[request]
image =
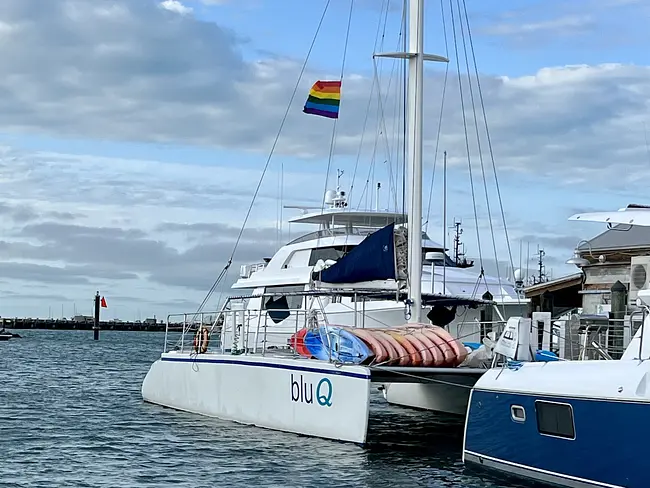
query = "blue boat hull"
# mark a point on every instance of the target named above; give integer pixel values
(609, 447)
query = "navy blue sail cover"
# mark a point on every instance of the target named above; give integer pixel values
(373, 259)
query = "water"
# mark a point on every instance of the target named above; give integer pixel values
(71, 414)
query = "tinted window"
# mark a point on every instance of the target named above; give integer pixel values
(555, 419)
(293, 302)
(326, 253)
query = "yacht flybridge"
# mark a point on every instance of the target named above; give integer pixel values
(294, 268)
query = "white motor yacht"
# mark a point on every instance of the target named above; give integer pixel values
(293, 269)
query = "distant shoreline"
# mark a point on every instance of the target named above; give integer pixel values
(69, 324)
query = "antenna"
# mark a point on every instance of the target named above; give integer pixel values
(377, 201)
(339, 173)
(459, 247)
(541, 268)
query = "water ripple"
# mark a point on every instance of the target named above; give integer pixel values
(71, 415)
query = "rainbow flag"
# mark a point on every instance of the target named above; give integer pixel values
(324, 99)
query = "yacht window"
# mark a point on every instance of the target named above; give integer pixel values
(518, 413)
(555, 419)
(293, 302)
(325, 253)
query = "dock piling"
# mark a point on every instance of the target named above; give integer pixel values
(487, 316)
(96, 323)
(616, 316)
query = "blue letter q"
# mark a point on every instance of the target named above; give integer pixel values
(324, 399)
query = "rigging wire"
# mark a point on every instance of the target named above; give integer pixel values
(404, 109)
(442, 106)
(224, 271)
(384, 131)
(480, 151)
(372, 89)
(399, 118)
(487, 131)
(381, 119)
(469, 158)
(333, 140)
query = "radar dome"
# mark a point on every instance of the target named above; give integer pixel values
(330, 195)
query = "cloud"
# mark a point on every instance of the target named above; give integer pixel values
(141, 74)
(176, 6)
(592, 24)
(160, 232)
(568, 24)
(129, 231)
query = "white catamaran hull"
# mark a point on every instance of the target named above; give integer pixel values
(450, 399)
(292, 395)
(446, 398)
(439, 397)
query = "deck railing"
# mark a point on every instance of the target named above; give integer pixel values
(238, 329)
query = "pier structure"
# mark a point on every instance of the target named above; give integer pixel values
(82, 322)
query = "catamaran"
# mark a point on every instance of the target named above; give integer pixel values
(337, 310)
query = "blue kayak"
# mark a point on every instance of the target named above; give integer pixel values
(544, 355)
(345, 346)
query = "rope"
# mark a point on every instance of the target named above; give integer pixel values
(431, 380)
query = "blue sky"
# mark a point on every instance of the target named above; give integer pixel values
(143, 137)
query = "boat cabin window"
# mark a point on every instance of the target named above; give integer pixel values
(555, 419)
(293, 302)
(325, 253)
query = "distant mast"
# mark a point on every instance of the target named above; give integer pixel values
(459, 247)
(541, 268)
(416, 58)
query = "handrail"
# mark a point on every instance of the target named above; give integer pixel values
(245, 330)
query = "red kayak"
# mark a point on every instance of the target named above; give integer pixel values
(297, 341)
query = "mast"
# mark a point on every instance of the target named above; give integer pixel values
(415, 93)
(414, 111)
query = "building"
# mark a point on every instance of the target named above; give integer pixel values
(608, 258)
(617, 259)
(556, 296)
(601, 262)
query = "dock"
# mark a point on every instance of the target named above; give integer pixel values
(86, 324)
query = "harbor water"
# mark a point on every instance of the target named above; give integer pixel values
(71, 414)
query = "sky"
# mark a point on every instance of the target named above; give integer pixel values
(134, 133)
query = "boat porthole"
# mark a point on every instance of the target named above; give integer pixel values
(517, 413)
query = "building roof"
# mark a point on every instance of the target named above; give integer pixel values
(554, 285)
(619, 237)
